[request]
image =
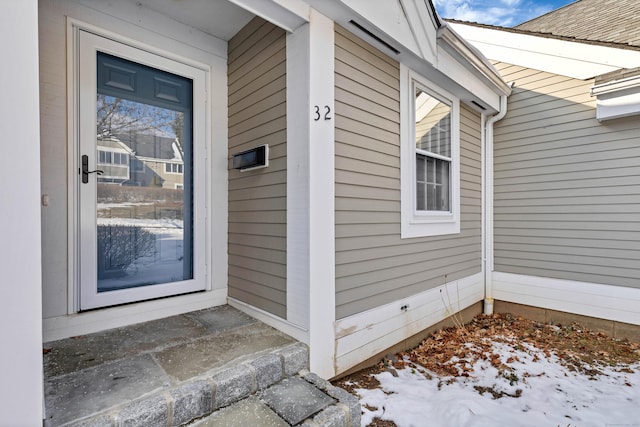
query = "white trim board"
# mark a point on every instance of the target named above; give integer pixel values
(56, 328)
(618, 98)
(577, 60)
(322, 254)
(298, 159)
(609, 302)
(272, 320)
(366, 334)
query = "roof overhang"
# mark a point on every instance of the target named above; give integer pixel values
(470, 57)
(578, 60)
(411, 32)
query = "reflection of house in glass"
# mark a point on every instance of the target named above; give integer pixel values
(141, 160)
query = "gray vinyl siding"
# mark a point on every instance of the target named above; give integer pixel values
(567, 188)
(373, 265)
(257, 199)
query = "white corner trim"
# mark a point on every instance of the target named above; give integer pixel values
(618, 303)
(272, 320)
(573, 59)
(365, 334)
(322, 278)
(298, 225)
(55, 328)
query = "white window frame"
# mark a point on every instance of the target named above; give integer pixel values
(174, 165)
(416, 223)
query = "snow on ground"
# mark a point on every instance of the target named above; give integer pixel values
(164, 265)
(536, 391)
(165, 224)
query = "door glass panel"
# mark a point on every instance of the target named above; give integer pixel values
(145, 192)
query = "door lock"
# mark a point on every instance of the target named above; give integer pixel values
(86, 171)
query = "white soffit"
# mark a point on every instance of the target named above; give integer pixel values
(572, 59)
(286, 14)
(404, 21)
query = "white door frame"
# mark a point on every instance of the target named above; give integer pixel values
(87, 297)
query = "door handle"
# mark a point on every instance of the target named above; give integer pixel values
(86, 171)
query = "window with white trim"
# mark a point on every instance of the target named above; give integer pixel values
(430, 158)
(112, 158)
(173, 168)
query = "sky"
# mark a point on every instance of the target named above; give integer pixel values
(504, 13)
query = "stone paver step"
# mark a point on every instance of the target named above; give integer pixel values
(211, 367)
(303, 400)
(196, 397)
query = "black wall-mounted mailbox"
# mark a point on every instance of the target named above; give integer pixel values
(252, 159)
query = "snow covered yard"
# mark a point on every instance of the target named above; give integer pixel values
(503, 370)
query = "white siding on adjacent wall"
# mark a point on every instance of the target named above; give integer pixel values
(374, 266)
(567, 188)
(257, 199)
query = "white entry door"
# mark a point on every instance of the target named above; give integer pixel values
(141, 174)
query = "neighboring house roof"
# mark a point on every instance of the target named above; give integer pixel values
(625, 73)
(613, 21)
(518, 30)
(597, 39)
(579, 59)
(151, 146)
(109, 141)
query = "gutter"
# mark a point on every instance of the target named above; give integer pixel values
(487, 201)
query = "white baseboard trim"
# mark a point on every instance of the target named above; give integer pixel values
(618, 303)
(272, 320)
(55, 328)
(366, 334)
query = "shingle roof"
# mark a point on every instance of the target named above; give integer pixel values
(613, 21)
(517, 30)
(157, 147)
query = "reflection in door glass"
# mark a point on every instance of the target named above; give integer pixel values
(144, 196)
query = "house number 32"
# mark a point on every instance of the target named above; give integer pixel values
(318, 115)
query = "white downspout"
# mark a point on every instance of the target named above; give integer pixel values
(487, 202)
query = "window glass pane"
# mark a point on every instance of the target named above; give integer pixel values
(421, 168)
(431, 197)
(432, 184)
(144, 217)
(433, 124)
(442, 195)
